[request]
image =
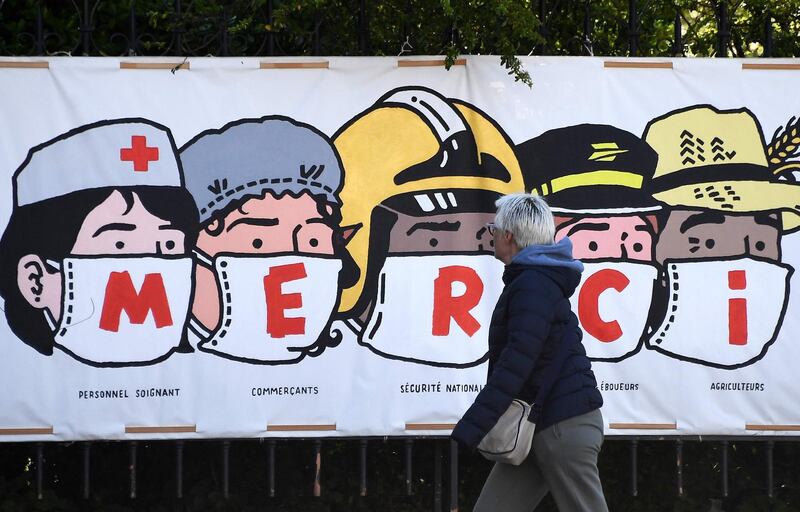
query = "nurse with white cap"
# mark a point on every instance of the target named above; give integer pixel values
(93, 260)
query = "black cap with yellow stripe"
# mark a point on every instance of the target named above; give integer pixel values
(589, 168)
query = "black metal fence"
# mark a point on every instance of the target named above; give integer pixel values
(722, 28)
(400, 474)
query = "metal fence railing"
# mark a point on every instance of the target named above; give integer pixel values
(429, 473)
(719, 28)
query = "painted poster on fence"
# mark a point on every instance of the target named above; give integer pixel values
(229, 251)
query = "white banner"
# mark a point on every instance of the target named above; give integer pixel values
(226, 250)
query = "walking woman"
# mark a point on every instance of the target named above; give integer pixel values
(532, 327)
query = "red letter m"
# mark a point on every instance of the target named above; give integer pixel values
(122, 296)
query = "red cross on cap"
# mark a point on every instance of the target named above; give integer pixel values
(139, 153)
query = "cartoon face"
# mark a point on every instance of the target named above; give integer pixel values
(261, 225)
(627, 237)
(266, 225)
(117, 227)
(690, 234)
(448, 233)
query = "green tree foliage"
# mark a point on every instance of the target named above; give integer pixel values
(507, 28)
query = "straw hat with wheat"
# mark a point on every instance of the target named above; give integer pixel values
(717, 159)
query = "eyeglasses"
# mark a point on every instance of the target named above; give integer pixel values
(491, 227)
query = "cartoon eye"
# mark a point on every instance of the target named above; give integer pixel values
(695, 244)
(592, 245)
(257, 243)
(760, 246)
(313, 242)
(637, 247)
(120, 244)
(170, 245)
(710, 243)
(491, 243)
(434, 242)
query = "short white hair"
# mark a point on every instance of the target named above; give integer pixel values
(527, 217)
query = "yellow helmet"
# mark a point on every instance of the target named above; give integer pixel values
(416, 143)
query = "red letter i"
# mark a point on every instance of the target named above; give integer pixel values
(737, 309)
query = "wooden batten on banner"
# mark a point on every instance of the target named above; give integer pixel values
(430, 426)
(771, 66)
(38, 64)
(301, 428)
(418, 63)
(29, 431)
(295, 65)
(643, 426)
(636, 64)
(772, 428)
(167, 429)
(155, 65)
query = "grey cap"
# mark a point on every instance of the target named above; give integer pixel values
(251, 156)
(115, 153)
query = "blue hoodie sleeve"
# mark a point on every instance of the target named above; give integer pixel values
(531, 309)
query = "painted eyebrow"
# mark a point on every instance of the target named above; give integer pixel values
(599, 226)
(253, 222)
(316, 220)
(115, 226)
(435, 226)
(702, 218)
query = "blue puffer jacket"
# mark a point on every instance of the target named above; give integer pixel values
(532, 316)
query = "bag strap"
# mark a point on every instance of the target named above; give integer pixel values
(550, 376)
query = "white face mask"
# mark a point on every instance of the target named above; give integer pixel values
(723, 314)
(612, 304)
(123, 311)
(407, 323)
(274, 308)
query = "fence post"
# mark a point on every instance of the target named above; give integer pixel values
(363, 463)
(177, 31)
(724, 450)
(362, 27)
(587, 27)
(437, 476)
(543, 31)
(132, 468)
(770, 473)
(453, 476)
(317, 490)
(39, 469)
(634, 468)
(409, 444)
(633, 29)
(271, 33)
(87, 448)
(768, 35)
(723, 29)
(225, 35)
(39, 29)
(86, 28)
(677, 48)
(226, 453)
(179, 469)
(679, 465)
(132, 29)
(271, 467)
(317, 23)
